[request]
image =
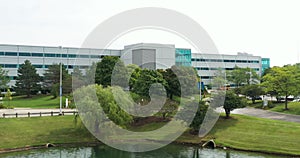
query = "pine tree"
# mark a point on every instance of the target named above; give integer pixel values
(28, 79)
(3, 78)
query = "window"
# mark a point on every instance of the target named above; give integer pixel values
(38, 66)
(37, 54)
(95, 56)
(229, 61)
(205, 77)
(11, 54)
(1, 53)
(49, 55)
(24, 54)
(84, 56)
(70, 66)
(83, 67)
(72, 55)
(12, 77)
(64, 55)
(10, 65)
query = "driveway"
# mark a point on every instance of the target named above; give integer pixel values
(26, 110)
(267, 114)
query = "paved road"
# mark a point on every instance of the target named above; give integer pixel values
(267, 114)
(26, 110)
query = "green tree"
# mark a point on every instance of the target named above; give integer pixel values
(91, 108)
(134, 73)
(51, 80)
(169, 109)
(219, 80)
(285, 80)
(252, 91)
(146, 79)
(89, 77)
(187, 75)
(77, 79)
(8, 96)
(232, 101)
(105, 69)
(241, 76)
(199, 117)
(3, 78)
(28, 80)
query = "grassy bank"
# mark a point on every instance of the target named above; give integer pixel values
(20, 132)
(294, 108)
(256, 134)
(39, 101)
(240, 132)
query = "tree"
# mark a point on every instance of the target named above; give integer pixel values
(52, 79)
(252, 91)
(169, 109)
(240, 76)
(105, 69)
(28, 80)
(175, 74)
(89, 77)
(134, 73)
(199, 117)
(285, 80)
(8, 96)
(219, 80)
(232, 101)
(77, 79)
(91, 110)
(3, 78)
(146, 79)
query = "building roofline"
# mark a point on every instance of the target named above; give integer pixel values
(226, 54)
(23, 45)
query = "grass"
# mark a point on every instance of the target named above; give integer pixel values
(245, 133)
(257, 134)
(239, 132)
(39, 101)
(294, 108)
(20, 132)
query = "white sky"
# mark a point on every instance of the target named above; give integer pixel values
(268, 28)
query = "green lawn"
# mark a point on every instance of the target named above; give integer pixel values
(246, 133)
(19, 132)
(294, 108)
(39, 101)
(239, 132)
(256, 134)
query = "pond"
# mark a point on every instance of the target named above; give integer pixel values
(103, 151)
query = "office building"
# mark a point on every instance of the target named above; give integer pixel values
(146, 55)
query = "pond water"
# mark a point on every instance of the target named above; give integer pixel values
(103, 151)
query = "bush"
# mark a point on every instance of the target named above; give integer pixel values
(270, 104)
(2, 106)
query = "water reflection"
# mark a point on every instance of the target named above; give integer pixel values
(102, 151)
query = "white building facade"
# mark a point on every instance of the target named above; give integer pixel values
(146, 55)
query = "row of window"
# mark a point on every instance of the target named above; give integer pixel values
(225, 60)
(43, 66)
(207, 68)
(28, 54)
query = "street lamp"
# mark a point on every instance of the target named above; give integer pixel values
(60, 82)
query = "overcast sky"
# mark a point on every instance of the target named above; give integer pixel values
(268, 28)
